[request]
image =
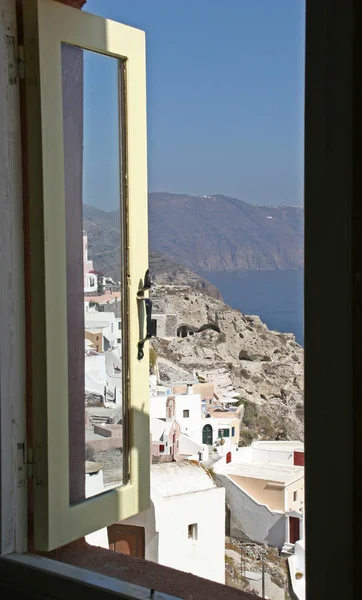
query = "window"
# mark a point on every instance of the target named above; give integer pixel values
(224, 433)
(119, 340)
(55, 137)
(162, 447)
(232, 431)
(193, 531)
(119, 324)
(325, 203)
(295, 496)
(186, 414)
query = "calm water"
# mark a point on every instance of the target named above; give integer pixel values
(276, 296)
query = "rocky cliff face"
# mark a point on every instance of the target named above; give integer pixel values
(164, 271)
(241, 355)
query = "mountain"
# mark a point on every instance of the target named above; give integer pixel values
(103, 246)
(213, 233)
(217, 233)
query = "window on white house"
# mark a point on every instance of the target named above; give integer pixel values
(193, 531)
(186, 414)
(224, 433)
(119, 340)
(119, 324)
(295, 496)
(232, 431)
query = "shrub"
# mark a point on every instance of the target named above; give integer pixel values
(265, 425)
(246, 437)
(250, 413)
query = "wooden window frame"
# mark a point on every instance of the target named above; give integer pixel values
(48, 24)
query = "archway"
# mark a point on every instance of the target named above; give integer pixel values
(207, 435)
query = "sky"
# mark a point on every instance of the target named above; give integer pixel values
(225, 100)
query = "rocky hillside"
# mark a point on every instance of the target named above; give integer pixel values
(205, 234)
(164, 271)
(241, 355)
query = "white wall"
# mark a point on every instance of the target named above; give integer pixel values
(93, 486)
(273, 456)
(205, 556)
(99, 372)
(250, 520)
(191, 448)
(166, 526)
(90, 283)
(158, 407)
(192, 424)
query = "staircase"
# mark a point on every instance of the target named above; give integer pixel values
(98, 419)
(288, 549)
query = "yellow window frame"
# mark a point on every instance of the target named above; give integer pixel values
(46, 25)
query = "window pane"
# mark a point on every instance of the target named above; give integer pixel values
(93, 149)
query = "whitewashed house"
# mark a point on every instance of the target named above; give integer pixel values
(102, 329)
(103, 374)
(185, 525)
(184, 528)
(90, 278)
(264, 486)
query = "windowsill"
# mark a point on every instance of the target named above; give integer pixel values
(133, 577)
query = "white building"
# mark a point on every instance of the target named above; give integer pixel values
(188, 414)
(185, 525)
(184, 528)
(264, 486)
(90, 278)
(105, 326)
(296, 563)
(103, 372)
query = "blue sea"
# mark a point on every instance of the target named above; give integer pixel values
(275, 296)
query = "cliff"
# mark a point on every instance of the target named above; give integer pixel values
(241, 356)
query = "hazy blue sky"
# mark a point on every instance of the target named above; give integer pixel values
(225, 85)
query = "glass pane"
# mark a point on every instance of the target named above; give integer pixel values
(92, 126)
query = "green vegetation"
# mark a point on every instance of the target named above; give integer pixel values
(246, 437)
(250, 414)
(200, 378)
(255, 424)
(96, 304)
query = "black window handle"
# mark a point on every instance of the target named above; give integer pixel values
(151, 324)
(147, 283)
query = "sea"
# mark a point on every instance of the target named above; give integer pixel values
(275, 296)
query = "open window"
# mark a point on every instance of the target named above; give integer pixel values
(63, 47)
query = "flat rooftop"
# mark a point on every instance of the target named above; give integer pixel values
(178, 478)
(275, 472)
(286, 446)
